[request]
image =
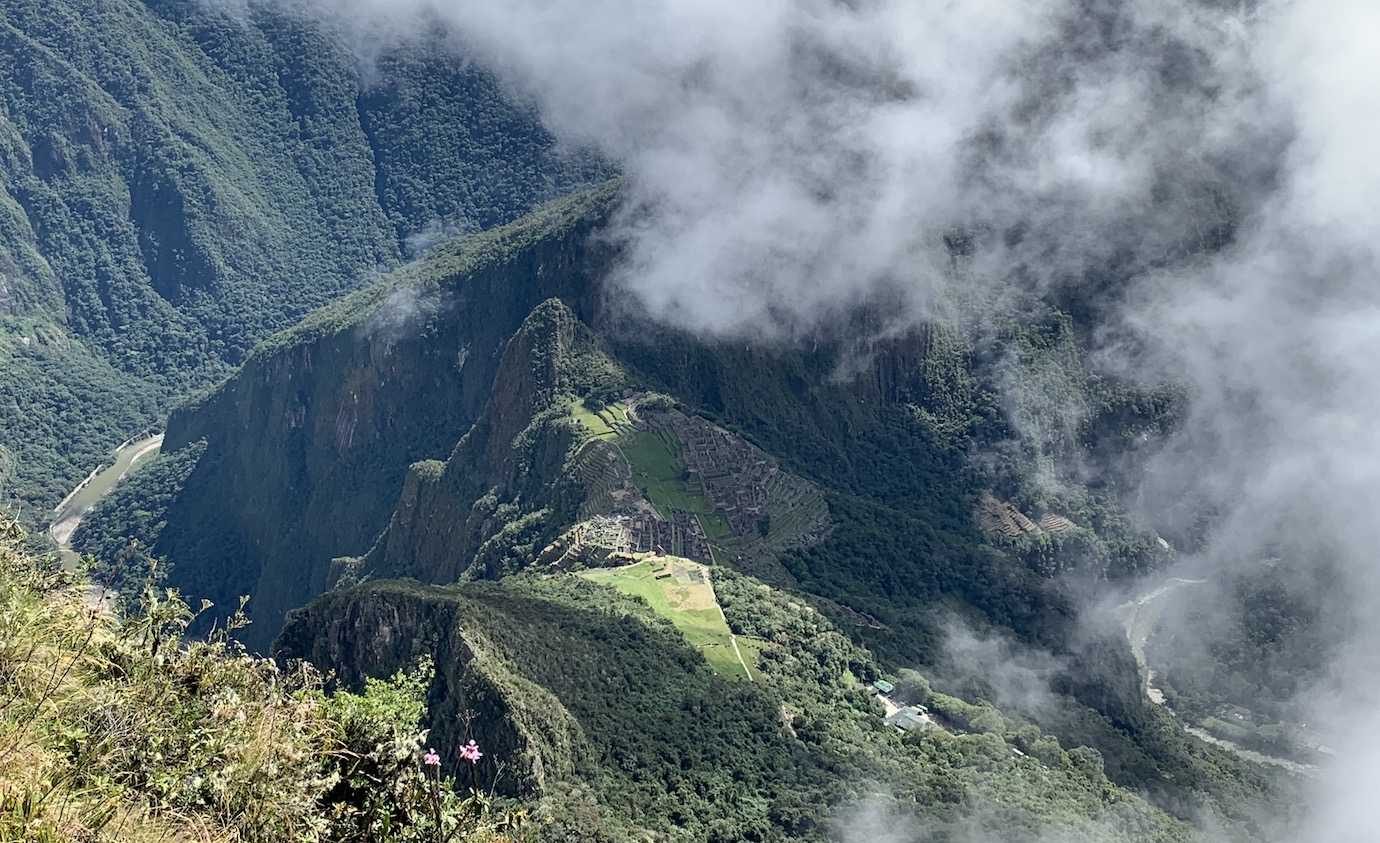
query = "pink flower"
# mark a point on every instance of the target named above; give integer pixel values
(470, 752)
(431, 759)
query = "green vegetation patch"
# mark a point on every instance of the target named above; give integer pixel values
(616, 415)
(118, 728)
(660, 474)
(680, 591)
(607, 422)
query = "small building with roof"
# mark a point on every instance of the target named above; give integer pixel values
(912, 718)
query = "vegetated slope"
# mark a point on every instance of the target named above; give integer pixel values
(116, 729)
(470, 367)
(177, 181)
(507, 487)
(682, 592)
(130, 519)
(307, 447)
(589, 698)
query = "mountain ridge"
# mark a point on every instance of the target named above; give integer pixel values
(178, 182)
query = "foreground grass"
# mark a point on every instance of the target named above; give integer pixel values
(115, 728)
(690, 607)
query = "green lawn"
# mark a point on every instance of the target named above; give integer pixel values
(659, 473)
(691, 608)
(616, 417)
(606, 423)
(593, 422)
(716, 527)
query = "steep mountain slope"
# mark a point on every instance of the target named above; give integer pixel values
(308, 444)
(177, 181)
(485, 411)
(292, 478)
(504, 489)
(590, 700)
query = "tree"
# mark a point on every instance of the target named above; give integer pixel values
(911, 687)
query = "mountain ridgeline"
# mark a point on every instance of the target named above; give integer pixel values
(495, 412)
(178, 180)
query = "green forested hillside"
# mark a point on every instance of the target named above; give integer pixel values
(307, 454)
(177, 182)
(598, 706)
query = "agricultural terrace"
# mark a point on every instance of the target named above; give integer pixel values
(680, 591)
(657, 469)
(608, 422)
(662, 477)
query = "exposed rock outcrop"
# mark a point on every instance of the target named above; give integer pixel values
(308, 445)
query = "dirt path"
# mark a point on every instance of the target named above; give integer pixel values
(733, 639)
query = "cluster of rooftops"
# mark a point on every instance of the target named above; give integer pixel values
(908, 718)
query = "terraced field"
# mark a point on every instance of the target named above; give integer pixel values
(688, 470)
(660, 474)
(607, 422)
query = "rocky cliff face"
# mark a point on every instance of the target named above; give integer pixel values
(504, 492)
(475, 694)
(307, 447)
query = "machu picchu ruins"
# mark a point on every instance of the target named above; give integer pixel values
(660, 481)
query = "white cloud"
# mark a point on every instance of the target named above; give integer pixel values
(788, 159)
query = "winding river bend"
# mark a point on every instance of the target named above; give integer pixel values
(1140, 616)
(68, 514)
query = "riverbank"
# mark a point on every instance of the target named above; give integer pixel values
(67, 515)
(1140, 617)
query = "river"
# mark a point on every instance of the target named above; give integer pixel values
(68, 514)
(1140, 617)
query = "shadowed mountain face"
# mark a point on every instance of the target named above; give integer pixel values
(486, 410)
(309, 443)
(178, 182)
